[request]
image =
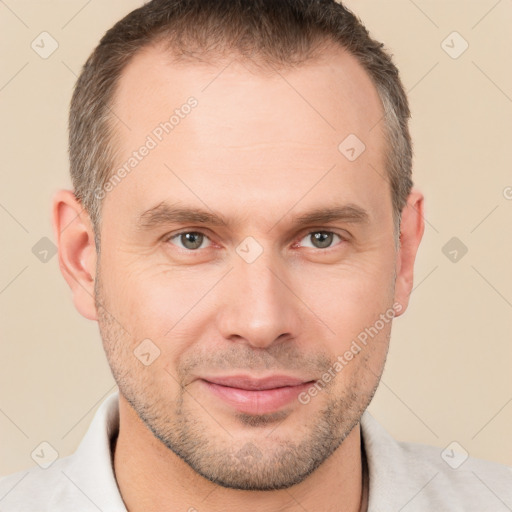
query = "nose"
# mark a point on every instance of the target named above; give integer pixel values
(259, 307)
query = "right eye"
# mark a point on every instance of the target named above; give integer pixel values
(189, 240)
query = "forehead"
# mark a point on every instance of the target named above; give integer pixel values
(332, 92)
(259, 130)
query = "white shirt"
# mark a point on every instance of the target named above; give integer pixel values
(404, 477)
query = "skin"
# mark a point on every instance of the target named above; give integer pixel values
(260, 149)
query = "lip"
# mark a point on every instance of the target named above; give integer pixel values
(256, 396)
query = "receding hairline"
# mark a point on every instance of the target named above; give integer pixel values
(323, 52)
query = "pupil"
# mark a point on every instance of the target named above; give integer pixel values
(191, 240)
(322, 239)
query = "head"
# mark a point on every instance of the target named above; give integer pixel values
(242, 205)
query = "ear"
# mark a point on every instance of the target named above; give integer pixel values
(77, 250)
(412, 227)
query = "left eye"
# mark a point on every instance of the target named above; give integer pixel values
(191, 240)
(320, 239)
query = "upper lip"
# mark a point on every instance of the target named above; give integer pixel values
(251, 383)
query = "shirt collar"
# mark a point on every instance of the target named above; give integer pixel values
(91, 468)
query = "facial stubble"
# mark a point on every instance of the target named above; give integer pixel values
(264, 454)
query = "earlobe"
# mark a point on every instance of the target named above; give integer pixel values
(77, 250)
(412, 227)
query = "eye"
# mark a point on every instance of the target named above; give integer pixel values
(190, 240)
(320, 239)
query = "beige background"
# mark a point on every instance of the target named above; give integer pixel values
(448, 376)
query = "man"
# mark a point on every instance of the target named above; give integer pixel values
(243, 228)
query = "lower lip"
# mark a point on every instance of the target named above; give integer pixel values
(257, 402)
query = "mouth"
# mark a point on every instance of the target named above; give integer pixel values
(256, 396)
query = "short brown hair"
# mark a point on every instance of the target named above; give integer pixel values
(279, 32)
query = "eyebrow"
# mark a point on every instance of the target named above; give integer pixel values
(165, 213)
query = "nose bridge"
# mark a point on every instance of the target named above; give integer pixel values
(259, 306)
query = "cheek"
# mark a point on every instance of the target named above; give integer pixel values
(348, 298)
(350, 301)
(168, 307)
(143, 293)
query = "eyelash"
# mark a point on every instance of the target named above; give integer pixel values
(176, 235)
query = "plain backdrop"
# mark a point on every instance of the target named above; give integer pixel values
(448, 375)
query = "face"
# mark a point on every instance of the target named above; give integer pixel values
(246, 279)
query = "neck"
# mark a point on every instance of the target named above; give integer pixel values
(152, 477)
